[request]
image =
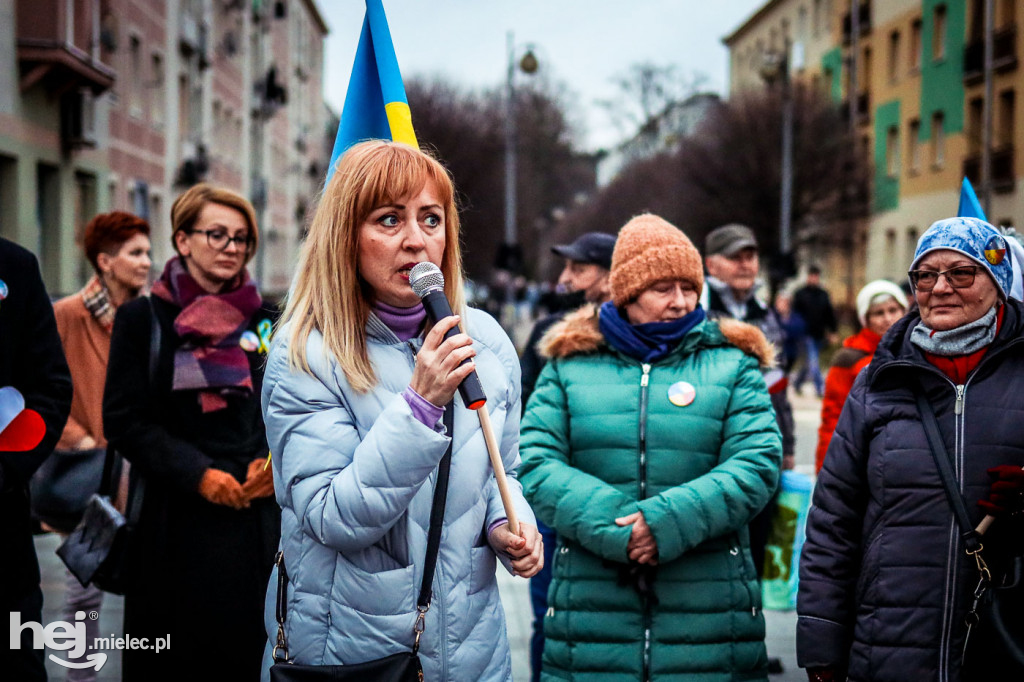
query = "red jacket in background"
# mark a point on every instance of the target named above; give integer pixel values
(847, 363)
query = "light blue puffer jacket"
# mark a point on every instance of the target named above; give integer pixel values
(354, 475)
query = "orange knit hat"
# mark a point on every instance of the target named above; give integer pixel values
(648, 250)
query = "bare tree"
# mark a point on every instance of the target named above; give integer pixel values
(465, 130)
(646, 91)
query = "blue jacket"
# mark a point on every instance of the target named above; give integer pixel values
(354, 475)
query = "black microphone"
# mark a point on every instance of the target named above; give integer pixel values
(428, 283)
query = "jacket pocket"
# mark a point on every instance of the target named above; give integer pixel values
(481, 569)
(868, 568)
(376, 593)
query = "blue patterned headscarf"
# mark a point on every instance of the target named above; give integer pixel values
(976, 239)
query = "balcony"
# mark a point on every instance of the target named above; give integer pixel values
(1003, 179)
(865, 23)
(57, 48)
(1004, 55)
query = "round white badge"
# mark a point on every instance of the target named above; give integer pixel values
(681, 393)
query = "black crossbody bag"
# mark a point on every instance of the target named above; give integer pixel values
(400, 667)
(97, 550)
(995, 622)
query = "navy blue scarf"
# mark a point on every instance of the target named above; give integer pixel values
(647, 342)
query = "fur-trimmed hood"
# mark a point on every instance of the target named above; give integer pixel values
(578, 333)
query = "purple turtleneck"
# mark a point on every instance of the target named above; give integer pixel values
(406, 323)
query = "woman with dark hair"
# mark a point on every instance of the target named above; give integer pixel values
(194, 435)
(117, 246)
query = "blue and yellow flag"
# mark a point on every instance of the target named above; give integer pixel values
(375, 105)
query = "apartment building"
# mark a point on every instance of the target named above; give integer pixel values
(122, 104)
(917, 99)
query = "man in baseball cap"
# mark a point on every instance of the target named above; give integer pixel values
(587, 262)
(584, 279)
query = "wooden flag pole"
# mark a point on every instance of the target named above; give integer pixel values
(499, 469)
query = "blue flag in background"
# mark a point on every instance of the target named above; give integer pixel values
(969, 205)
(375, 104)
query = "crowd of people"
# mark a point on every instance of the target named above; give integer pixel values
(315, 490)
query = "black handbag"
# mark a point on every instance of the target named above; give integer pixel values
(995, 622)
(60, 488)
(401, 667)
(97, 551)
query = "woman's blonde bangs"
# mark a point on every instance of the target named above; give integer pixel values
(328, 295)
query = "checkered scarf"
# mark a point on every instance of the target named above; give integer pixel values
(211, 360)
(97, 301)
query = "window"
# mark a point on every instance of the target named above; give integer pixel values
(914, 145)
(938, 140)
(894, 56)
(816, 25)
(915, 46)
(1006, 13)
(975, 125)
(135, 77)
(156, 91)
(1006, 114)
(892, 151)
(939, 33)
(891, 254)
(911, 244)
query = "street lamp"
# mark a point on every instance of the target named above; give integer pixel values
(528, 64)
(775, 67)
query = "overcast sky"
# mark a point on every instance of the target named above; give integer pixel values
(581, 43)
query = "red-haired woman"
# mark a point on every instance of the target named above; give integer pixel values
(117, 246)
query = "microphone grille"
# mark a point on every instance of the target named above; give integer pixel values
(425, 277)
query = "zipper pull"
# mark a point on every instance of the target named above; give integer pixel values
(646, 375)
(959, 407)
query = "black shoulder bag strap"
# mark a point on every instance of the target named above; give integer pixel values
(970, 536)
(433, 545)
(107, 483)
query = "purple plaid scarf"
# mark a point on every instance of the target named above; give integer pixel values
(211, 325)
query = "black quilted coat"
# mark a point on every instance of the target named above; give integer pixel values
(884, 579)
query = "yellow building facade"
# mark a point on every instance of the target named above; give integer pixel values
(919, 106)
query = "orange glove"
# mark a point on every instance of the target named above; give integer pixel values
(220, 487)
(259, 480)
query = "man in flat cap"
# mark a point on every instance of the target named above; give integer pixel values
(733, 265)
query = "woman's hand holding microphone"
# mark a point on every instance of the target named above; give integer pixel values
(437, 374)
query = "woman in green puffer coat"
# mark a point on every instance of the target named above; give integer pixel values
(648, 445)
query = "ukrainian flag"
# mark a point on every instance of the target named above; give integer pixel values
(375, 104)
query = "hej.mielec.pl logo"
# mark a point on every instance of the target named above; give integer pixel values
(71, 637)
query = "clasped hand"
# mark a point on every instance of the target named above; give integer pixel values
(642, 547)
(220, 487)
(527, 550)
(437, 374)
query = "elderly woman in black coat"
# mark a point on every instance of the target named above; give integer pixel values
(885, 582)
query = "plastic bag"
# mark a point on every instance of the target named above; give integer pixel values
(785, 540)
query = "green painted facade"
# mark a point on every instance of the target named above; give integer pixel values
(942, 80)
(887, 188)
(832, 66)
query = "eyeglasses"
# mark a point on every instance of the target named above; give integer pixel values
(959, 277)
(218, 239)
